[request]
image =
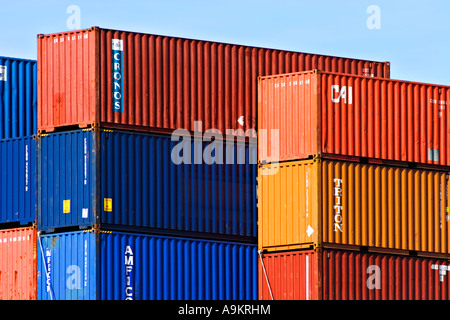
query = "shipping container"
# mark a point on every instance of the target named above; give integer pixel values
(321, 114)
(148, 182)
(128, 80)
(18, 264)
(99, 265)
(18, 97)
(324, 274)
(18, 180)
(325, 203)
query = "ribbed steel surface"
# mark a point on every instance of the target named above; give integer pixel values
(18, 180)
(336, 203)
(117, 266)
(348, 275)
(121, 79)
(18, 264)
(319, 113)
(18, 97)
(124, 180)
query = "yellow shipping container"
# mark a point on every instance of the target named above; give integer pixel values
(324, 203)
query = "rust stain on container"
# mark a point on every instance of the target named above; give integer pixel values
(320, 113)
(120, 79)
(324, 274)
(322, 203)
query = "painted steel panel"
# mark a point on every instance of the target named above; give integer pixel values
(103, 265)
(323, 274)
(18, 264)
(148, 82)
(120, 179)
(18, 97)
(336, 203)
(318, 113)
(18, 180)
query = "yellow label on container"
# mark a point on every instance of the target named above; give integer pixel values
(446, 209)
(108, 204)
(66, 206)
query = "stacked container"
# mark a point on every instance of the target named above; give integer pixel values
(353, 187)
(148, 163)
(18, 178)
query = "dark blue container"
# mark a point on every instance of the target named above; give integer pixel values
(18, 97)
(18, 176)
(132, 181)
(97, 265)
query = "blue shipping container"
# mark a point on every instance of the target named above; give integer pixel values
(127, 180)
(18, 97)
(18, 198)
(98, 265)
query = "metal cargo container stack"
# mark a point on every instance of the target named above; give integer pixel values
(18, 264)
(112, 265)
(123, 180)
(18, 97)
(151, 140)
(340, 116)
(333, 274)
(353, 173)
(18, 127)
(18, 174)
(154, 83)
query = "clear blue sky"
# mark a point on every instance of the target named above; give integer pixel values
(413, 35)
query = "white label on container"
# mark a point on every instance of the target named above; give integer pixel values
(433, 154)
(117, 44)
(48, 262)
(129, 274)
(309, 230)
(442, 270)
(117, 63)
(307, 193)
(85, 263)
(337, 192)
(85, 213)
(3, 73)
(26, 168)
(344, 92)
(85, 161)
(307, 276)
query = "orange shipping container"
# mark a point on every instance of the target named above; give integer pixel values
(322, 114)
(324, 203)
(18, 264)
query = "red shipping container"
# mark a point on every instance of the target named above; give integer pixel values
(347, 117)
(350, 275)
(18, 264)
(118, 79)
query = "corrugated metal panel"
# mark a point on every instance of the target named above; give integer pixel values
(325, 203)
(18, 179)
(18, 97)
(18, 264)
(117, 266)
(161, 82)
(319, 113)
(291, 275)
(67, 266)
(129, 180)
(348, 275)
